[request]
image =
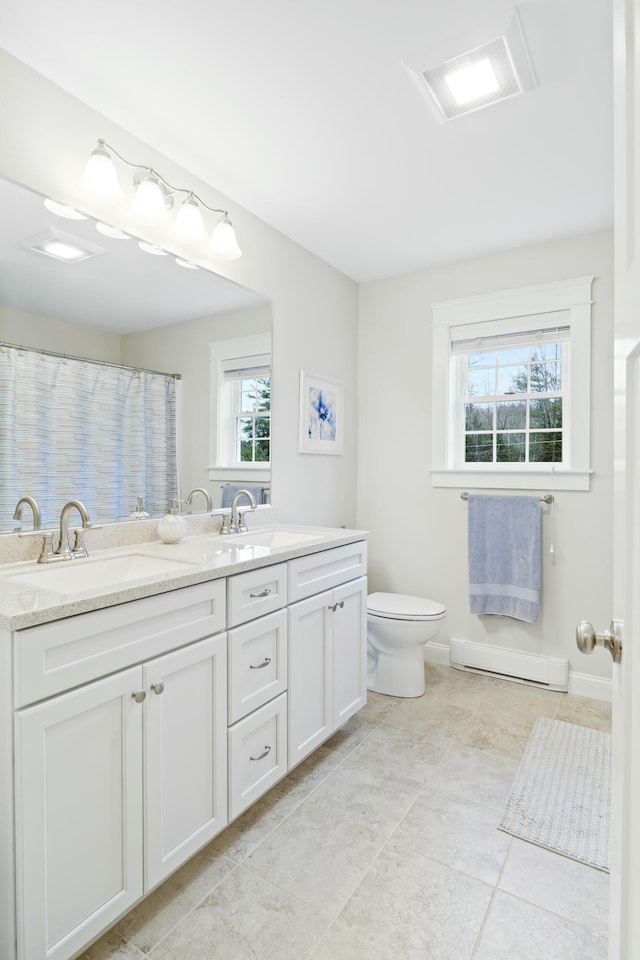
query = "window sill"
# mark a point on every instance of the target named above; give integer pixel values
(250, 473)
(512, 479)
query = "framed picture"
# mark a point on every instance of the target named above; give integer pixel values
(320, 414)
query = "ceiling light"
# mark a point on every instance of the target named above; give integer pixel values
(224, 245)
(149, 248)
(472, 82)
(108, 231)
(100, 175)
(62, 246)
(63, 210)
(154, 198)
(481, 67)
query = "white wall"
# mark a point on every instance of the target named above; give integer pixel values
(45, 333)
(418, 534)
(184, 348)
(46, 137)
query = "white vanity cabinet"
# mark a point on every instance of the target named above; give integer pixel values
(134, 733)
(327, 645)
(117, 781)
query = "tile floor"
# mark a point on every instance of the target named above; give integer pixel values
(384, 846)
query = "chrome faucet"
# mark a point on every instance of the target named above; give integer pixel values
(34, 506)
(236, 523)
(206, 494)
(63, 551)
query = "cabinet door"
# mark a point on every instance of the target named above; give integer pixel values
(78, 815)
(185, 741)
(348, 621)
(310, 672)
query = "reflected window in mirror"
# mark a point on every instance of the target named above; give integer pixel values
(241, 407)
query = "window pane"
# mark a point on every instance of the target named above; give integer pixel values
(545, 447)
(546, 351)
(545, 413)
(517, 355)
(545, 377)
(262, 451)
(478, 448)
(263, 393)
(245, 427)
(482, 359)
(510, 447)
(262, 426)
(246, 451)
(512, 379)
(478, 416)
(481, 383)
(511, 415)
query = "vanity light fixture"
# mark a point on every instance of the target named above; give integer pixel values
(186, 264)
(149, 248)
(155, 197)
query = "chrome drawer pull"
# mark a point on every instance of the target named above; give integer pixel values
(265, 753)
(265, 593)
(259, 666)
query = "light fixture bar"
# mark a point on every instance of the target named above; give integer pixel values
(160, 193)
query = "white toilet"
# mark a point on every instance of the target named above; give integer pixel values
(398, 626)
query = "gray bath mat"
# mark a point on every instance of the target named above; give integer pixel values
(560, 797)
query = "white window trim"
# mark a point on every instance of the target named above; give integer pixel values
(221, 351)
(573, 296)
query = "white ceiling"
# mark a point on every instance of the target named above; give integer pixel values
(305, 113)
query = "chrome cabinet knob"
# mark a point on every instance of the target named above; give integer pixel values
(587, 638)
(139, 695)
(158, 687)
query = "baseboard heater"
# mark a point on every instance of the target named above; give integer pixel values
(549, 672)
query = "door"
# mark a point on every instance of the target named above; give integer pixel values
(349, 626)
(185, 754)
(310, 671)
(625, 825)
(78, 815)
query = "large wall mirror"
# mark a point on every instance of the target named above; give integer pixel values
(122, 306)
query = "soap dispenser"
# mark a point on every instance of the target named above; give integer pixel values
(139, 513)
(173, 527)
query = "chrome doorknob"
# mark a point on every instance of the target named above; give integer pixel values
(587, 638)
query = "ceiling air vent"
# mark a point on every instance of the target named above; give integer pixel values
(484, 66)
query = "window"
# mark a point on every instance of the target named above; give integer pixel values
(241, 408)
(506, 410)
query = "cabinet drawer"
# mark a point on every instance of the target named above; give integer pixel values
(323, 571)
(257, 660)
(257, 754)
(256, 592)
(53, 657)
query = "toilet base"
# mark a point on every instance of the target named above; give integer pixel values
(398, 676)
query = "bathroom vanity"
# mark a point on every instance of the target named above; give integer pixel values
(141, 717)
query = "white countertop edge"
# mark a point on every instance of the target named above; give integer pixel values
(51, 605)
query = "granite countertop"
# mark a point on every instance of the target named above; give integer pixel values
(198, 559)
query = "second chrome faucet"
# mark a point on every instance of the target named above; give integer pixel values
(64, 550)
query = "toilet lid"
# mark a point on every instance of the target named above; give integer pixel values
(399, 606)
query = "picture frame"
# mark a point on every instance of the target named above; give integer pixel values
(320, 414)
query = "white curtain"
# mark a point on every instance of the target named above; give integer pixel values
(77, 429)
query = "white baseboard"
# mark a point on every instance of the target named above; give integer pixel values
(497, 661)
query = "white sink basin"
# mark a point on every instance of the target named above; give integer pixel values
(272, 538)
(78, 576)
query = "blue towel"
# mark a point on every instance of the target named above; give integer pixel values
(504, 556)
(229, 489)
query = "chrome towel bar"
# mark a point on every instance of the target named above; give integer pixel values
(547, 498)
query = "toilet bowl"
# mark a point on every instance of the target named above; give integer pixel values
(398, 626)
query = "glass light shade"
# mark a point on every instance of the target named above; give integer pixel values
(189, 222)
(100, 174)
(63, 210)
(224, 245)
(186, 264)
(149, 248)
(108, 231)
(149, 199)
